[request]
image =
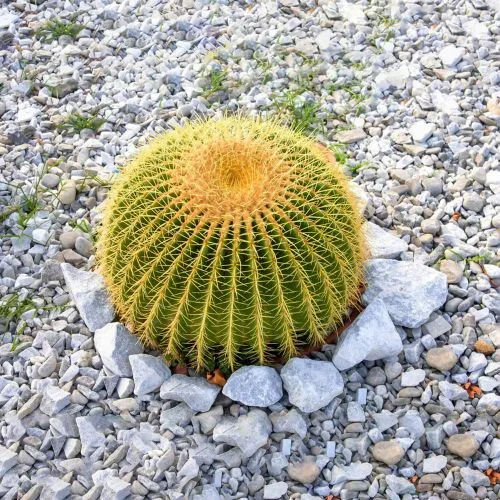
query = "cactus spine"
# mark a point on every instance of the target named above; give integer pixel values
(232, 240)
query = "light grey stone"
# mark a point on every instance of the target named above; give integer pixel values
(311, 384)
(453, 392)
(372, 336)
(410, 291)
(115, 344)
(434, 464)
(55, 489)
(248, 432)
(149, 373)
(115, 489)
(436, 327)
(382, 244)
(399, 485)
(54, 400)
(350, 136)
(357, 471)
(91, 435)
(196, 392)
(385, 420)
(421, 131)
(275, 490)
(355, 412)
(412, 378)
(490, 403)
(289, 421)
(88, 292)
(254, 386)
(412, 422)
(8, 459)
(451, 55)
(474, 477)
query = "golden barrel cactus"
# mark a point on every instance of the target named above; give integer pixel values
(231, 241)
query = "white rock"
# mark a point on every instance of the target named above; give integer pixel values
(26, 114)
(7, 18)
(410, 291)
(254, 386)
(275, 490)
(196, 392)
(393, 78)
(67, 193)
(248, 432)
(54, 400)
(323, 39)
(149, 373)
(90, 296)
(372, 336)
(115, 344)
(41, 236)
(412, 378)
(311, 384)
(8, 459)
(421, 130)
(383, 244)
(352, 12)
(434, 464)
(451, 55)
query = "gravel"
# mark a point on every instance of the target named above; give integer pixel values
(411, 90)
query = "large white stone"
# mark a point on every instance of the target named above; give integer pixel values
(451, 55)
(383, 244)
(254, 386)
(421, 130)
(115, 344)
(311, 384)
(247, 432)
(394, 78)
(372, 336)
(410, 291)
(149, 373)
(89, 295)
(196, 392)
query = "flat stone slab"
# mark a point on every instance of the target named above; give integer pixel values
(410, 291)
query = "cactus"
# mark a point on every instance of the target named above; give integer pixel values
(231, 241)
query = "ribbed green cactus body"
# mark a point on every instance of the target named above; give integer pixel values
(231, 242)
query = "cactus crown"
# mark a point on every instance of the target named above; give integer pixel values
(234, 240)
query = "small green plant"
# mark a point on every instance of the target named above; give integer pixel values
(84, 226)
(55, 28)
(77, 122)
(340, 152)
(232, 241)
(357, 167)
(216, 81)
(12, 309)
(300, 116)
(382, 31)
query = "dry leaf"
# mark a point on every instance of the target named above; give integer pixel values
(493, 476)
(472, 390)
(217, 378)
(456, 216)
